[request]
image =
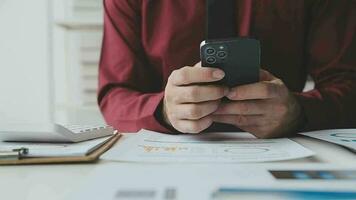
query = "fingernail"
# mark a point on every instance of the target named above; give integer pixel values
(218, 74)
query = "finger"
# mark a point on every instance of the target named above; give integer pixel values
(194, 126)
(260, 90)
(250, 107)
(262, 132)
(254, 130)
(195, 111)
(190, 75)
(200, 93)
(240, 120)
(266, 76)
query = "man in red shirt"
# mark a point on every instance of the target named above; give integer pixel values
(150, 74)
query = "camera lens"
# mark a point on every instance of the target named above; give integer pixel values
(211, 60)
(222, 54)
(210, 51)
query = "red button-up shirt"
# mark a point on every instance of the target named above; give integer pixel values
(145, 40)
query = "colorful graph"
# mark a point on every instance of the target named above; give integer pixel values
(162, 149)
(193, 151)
(345, 137)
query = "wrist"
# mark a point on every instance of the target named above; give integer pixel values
(161, 116)
(164, 113)
(299, 120)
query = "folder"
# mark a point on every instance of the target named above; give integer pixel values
(16, 156)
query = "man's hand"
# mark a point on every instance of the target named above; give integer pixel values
(266, 109)
(188, 104)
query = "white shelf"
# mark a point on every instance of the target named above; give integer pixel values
(73, 114)
(79, 24)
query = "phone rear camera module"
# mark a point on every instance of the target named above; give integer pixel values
(222, 54)
(211, 60)
(210, 51)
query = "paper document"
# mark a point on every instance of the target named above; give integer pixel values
(343, 137)
(165, 181)
(147, 146)
(55, 149)
(195, 181)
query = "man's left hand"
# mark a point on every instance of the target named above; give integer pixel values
(266, 109)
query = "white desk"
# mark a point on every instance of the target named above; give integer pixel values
(56, 182)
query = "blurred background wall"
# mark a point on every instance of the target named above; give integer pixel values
(49, 52)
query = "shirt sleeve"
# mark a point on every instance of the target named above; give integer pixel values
(130, 90)
(331, 61)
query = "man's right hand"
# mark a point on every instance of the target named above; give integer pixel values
(187, 102)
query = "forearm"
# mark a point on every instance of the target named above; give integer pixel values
(130, 111)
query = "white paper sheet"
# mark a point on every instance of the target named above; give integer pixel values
(149, 146)
(165, 181)
(137, 181)
(343, 137)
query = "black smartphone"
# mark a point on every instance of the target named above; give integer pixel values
(239, 58)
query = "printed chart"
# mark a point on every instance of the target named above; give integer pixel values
(343, 137)
(220, 148)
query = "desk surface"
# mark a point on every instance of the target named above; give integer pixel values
(56, 182)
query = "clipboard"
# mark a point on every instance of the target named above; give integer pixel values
(14, 157)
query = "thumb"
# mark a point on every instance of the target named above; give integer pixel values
(266, 76)
(198, 65)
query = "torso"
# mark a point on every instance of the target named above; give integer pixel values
(173, 29)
